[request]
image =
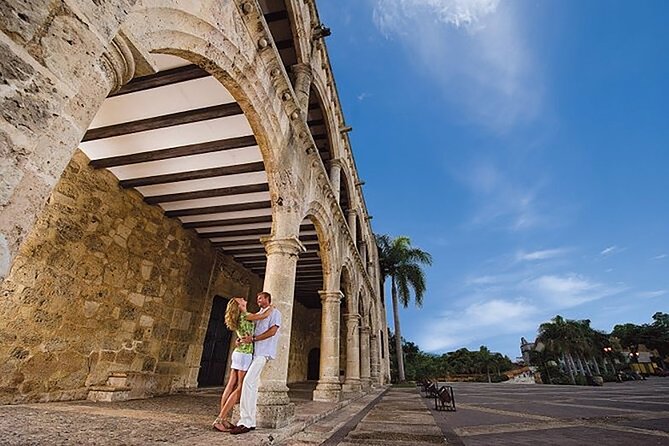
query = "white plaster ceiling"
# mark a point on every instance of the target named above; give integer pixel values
(231, 210)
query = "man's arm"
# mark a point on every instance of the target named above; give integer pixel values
(271, 331)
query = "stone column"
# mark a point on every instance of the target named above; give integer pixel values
(352, 218)
(302, 84)
(329, 387)
(335, 177)
(363, 253)
(376, 359)
(352, 379)
(274, 407)
(42, 132)
(365, 375)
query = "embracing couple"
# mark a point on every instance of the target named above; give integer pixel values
(256, 343)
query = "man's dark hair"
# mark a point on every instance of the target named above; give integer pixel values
(266, 294)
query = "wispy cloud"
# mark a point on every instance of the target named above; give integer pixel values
(503, 200)
(513, 302)
(660, 257)
(568, 290)
(362, 96)
(609, 250)
(651, 294)
(541, 255)
(499, 316)
(612, 250)
(474, 51)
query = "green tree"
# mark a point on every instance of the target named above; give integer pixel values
(402, 263)
(557, 335)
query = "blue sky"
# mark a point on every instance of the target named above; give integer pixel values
(525, 145)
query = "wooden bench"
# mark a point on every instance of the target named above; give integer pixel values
(444, 399)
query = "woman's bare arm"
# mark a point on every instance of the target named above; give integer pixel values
(260, 315)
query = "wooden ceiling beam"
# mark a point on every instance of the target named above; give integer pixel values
(208, 193)
(276, 16)
(258, 166)
(176, 152)
(239, 232)
(220, 209)
(228, 222)
(159, 122)
(161, 79)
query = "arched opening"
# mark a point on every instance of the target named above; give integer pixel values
(346, 309)
(216, 347)
(344, 196)
(319, 127)
(168, 178)
(281, 27)
(313, 364)
(306, 321)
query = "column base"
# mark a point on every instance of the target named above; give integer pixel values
(327, 392)
(274, 416)
(352, 386)
(366, 383)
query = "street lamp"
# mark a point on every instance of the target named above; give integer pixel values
(609, 350)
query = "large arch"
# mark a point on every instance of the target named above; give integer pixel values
(139, 320)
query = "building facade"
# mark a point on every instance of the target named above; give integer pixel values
(158, 158)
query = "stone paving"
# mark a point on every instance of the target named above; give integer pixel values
(631, 413)
(183, 419)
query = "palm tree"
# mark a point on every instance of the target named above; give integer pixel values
(485, 359)
(402, 263)
(557, 336)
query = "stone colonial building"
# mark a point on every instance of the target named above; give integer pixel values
(158, 158)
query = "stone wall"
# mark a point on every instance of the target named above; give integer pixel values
(104, 283)
(305, 335)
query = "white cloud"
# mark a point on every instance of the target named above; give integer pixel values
(510, 303)
(651, 294)
(568, 290)
(610, 250)
(362, 96)
(660, 257)
(502, 199)
(474, 50)
(477, 321)
(391, 14)
(541, 255)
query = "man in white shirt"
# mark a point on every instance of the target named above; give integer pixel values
(265, 341)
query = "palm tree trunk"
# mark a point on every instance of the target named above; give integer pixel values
(579, 364)
(398, 333)
(487, 370)
(594, 362)
(570, 366)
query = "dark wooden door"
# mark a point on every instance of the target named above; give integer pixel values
(313, 364)
(216, 347)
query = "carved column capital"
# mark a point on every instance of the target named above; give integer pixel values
(335, 162)
(287, 246)
(303, 75)
(331, 296)
(364, 329)
(353, 318)
(118, 62)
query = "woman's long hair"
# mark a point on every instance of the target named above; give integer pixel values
(232, 315)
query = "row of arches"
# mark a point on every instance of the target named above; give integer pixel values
(223, 119)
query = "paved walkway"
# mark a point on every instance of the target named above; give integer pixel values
(631, 413)
(183, 419)
(398, 417)
(625, 414)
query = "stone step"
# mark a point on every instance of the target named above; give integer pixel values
(108, 393)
